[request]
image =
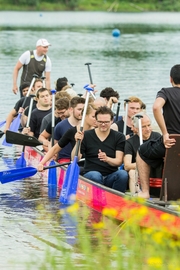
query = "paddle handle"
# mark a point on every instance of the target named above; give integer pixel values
(60, 164)
(29, 90)
(117, 112)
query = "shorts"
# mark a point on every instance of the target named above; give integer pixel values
(153, 152)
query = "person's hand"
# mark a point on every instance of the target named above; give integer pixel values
(79, 136)
(168, 143)
(40, 167)
(102, 156)
(15, 89)
(21, 110)
(112, 101)
(26, 130)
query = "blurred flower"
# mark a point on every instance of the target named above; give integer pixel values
(110, 212)
(155, 262)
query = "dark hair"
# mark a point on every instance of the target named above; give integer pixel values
(175, 74)
(104, 110)
(41, 90)
(109, 92)
(24, 85)
(62, 104)
(76, 100)
(61, 82)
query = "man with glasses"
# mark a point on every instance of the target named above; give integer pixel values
(103, 149)
(61, 113)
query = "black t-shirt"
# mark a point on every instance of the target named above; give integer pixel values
(133, 143)
(91, 145)
(49, 125)
(36, 119)
(171, 109)
(120, 125)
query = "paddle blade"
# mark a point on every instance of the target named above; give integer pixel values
(52, 175)
(21, 162)
(13, 127)
(16, 174)
(2, 123)
(21, 139)
(69, 187)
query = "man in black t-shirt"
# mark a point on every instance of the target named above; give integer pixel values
(166, 111)
(132, 145)
(103, 149)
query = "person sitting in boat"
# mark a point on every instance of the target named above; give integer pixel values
(110, 96)
(62, 85)
(69, 136)
(18, 106)
(48, 118)
(43, 107)
(75, 111)
(166, 111)
(61, 113)
(135, 105)
(103, 150)
(132, 144)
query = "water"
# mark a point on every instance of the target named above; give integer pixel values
(136, 63)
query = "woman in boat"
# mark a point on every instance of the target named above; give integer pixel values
(90, 123)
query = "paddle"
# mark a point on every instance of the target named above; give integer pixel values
(21, 162)
(69, 187)
(117, 112)
(16, 122)
(52, 174)
(125, 118)
(17, 174)
(90, 78)
(21, 139)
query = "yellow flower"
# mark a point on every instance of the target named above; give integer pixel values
(111, 212)
(99, 225)
(158, 237)
(73, 208)
(113, 248)
(155, 262)
(168, 217)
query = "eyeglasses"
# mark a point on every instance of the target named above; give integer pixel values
(103, 122)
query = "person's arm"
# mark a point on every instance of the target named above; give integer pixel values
(117, 161)
(128, 165)
(44, 138)
(48, 79)
(9, 119)
(78, 136)
(111, 101)
(157, 111)
(17, 67)
(53, 151)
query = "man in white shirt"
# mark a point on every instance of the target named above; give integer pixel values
(33, 62)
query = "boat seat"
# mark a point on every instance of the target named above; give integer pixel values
(170, 189)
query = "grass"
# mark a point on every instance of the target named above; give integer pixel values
(106, 244)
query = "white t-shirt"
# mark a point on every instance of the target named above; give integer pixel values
(25, 59)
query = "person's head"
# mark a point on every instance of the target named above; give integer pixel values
(43, 97)
(60, 83)
(76, 107)
(99, 101)
(145, 124)
(24, 87)
(135, 105)
(62, 108)
(109, 92)
(90, 115)
(104, 117)
(42, 46)
(175, 74)
(62, 94)
(38, 83)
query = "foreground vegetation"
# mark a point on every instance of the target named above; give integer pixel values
(102, 243)
(91, 5)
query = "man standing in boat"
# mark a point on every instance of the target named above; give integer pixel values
(103, 150)
(166, 111)
(33, 62)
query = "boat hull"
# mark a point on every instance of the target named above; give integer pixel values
(122, 207)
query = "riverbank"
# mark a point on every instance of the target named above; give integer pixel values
(91, 5)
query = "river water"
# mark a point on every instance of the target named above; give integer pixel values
(136, 63)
